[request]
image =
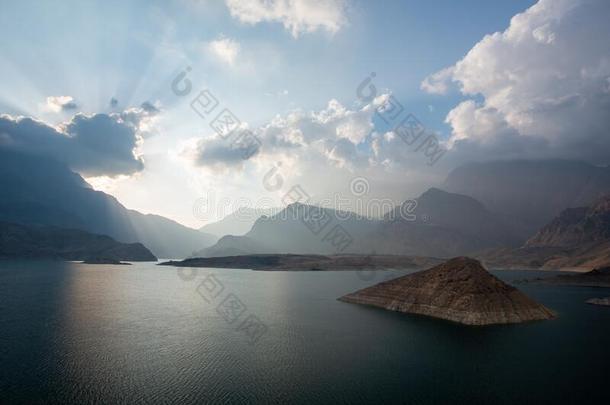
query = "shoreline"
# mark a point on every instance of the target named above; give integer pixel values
(313, 262)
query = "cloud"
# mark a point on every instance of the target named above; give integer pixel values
(225, 50)
(297, 16)
(143, 119)
(439, 82)
(221, 154)
(321, 150)
(60, 103)
(92, 145)
(541, 86)
(333, 137)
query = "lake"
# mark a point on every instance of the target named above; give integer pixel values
(75, 333)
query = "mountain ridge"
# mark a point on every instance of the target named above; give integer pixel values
(578, 239)
(34, 242)
(441, 224)
(530, 192)
(42, 191)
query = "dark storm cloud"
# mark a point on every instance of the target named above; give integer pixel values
(95, 145)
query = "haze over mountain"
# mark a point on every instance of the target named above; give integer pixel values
(530, 192)
(238, 222)
(286, 232)
(447, 224)
(441, 224)
(42, 191)
(576, 226)
(577, 238)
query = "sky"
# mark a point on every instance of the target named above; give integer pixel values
(322, 92)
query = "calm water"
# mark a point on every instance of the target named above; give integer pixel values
(141, 334)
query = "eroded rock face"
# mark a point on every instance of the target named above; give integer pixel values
(576, 226)
(459, 290)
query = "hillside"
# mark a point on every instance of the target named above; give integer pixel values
(37, 242)
(42, 191)
(578, 239)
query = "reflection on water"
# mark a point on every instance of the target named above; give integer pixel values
(84, 333)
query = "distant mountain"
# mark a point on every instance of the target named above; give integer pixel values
(234, 246)
(298, 229)
(36, 242)
(443, 224)
(576, 238)
(446, 224)
(237, 223)
(39, 191)
(531, 193)
(576, 226)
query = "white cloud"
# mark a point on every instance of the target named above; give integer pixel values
(297, 16)
(543, 84)
(321, 150)
(225, 50)
(143, 119)
(439, 82)
(60, 103)
(328, 136)
(333, 137)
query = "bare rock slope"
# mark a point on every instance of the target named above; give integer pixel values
(459, 290)
(578, 239)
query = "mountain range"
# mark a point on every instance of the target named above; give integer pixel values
(520, 227)
(441, 224)
(502, 212)
(42, 191)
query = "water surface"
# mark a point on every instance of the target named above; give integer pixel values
(143, 333)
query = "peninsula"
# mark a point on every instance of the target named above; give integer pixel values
(292, 262)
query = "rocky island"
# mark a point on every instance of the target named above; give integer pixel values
(599, 277)
(104, 260)
(604, 302)
(459, 290)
